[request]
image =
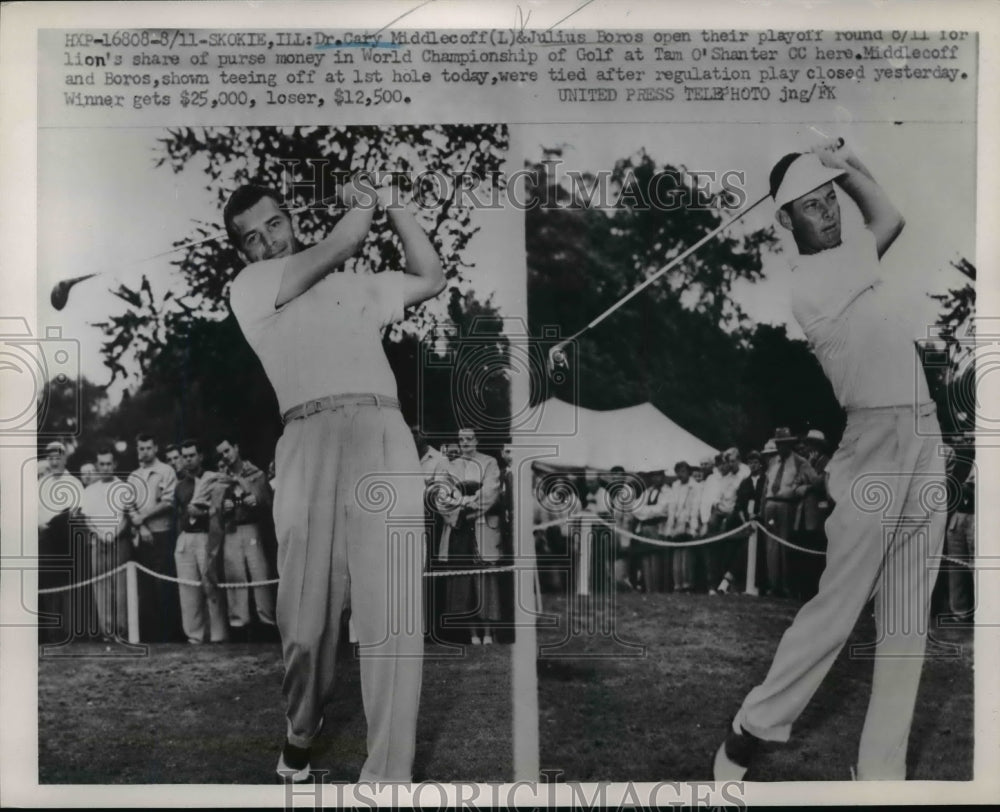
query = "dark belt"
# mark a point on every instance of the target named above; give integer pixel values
(332, 402)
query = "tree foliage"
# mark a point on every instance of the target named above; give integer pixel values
(188, 352)
(950, 367)
(684, 343)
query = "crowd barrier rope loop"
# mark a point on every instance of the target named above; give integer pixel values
(491, 570)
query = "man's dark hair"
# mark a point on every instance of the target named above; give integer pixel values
(681, 465)
(145, 438)
(170, 448)
(754, 455)
(779, 170)
(227, 438)
(242, 199)
(104, 449)
(195, 444)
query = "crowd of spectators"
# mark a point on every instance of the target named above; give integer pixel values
(781, 488)
(206, 520)
(177, 518)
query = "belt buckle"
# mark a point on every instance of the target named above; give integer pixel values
(312, 407)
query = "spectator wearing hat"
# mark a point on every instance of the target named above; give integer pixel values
(59, 497)
(789, 477)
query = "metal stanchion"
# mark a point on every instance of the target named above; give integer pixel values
(752, 562)
(584, 533)
(132, 598)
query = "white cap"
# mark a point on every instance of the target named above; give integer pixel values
(816, 434)
(803, 175)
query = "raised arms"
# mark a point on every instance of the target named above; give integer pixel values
(882, 218)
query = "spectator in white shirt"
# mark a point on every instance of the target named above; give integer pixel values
(103, 508)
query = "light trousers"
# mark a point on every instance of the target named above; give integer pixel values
(194, 564)
(242, 556)
(349, 515)
(885, 536)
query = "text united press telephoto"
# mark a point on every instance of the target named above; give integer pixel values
(583, 402)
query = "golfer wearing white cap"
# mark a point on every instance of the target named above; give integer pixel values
(865, 346)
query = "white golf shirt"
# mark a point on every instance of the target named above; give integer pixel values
(862, 337)
(327, 341)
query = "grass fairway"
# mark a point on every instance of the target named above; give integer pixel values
(213, 714)
(607, 716)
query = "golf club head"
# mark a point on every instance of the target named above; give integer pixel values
(557, 359)
(60, 292)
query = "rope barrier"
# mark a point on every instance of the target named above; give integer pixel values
(780, 540)
(693, 543)
(484, 570)
(53, 589)
(958, 561)
(708, 539)
(554, 522)
(249, 584)
(186, 582)
(487, 570)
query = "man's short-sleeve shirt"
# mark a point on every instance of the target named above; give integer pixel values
(863, 339)
(153, 484)
(327, 341)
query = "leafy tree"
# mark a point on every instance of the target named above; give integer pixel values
(69, 409)
(190, 354)
(950, 366)
(681, 344)
(787, 387)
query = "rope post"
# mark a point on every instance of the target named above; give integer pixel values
(585, 534)
(132, 598)
(752, 562)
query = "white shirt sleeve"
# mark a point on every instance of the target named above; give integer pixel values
(254, 291)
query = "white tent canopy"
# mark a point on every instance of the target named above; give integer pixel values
(638, 438)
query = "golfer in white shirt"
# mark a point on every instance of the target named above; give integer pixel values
(318, 334)
(864, 342)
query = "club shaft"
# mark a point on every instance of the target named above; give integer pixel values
(669, 266)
